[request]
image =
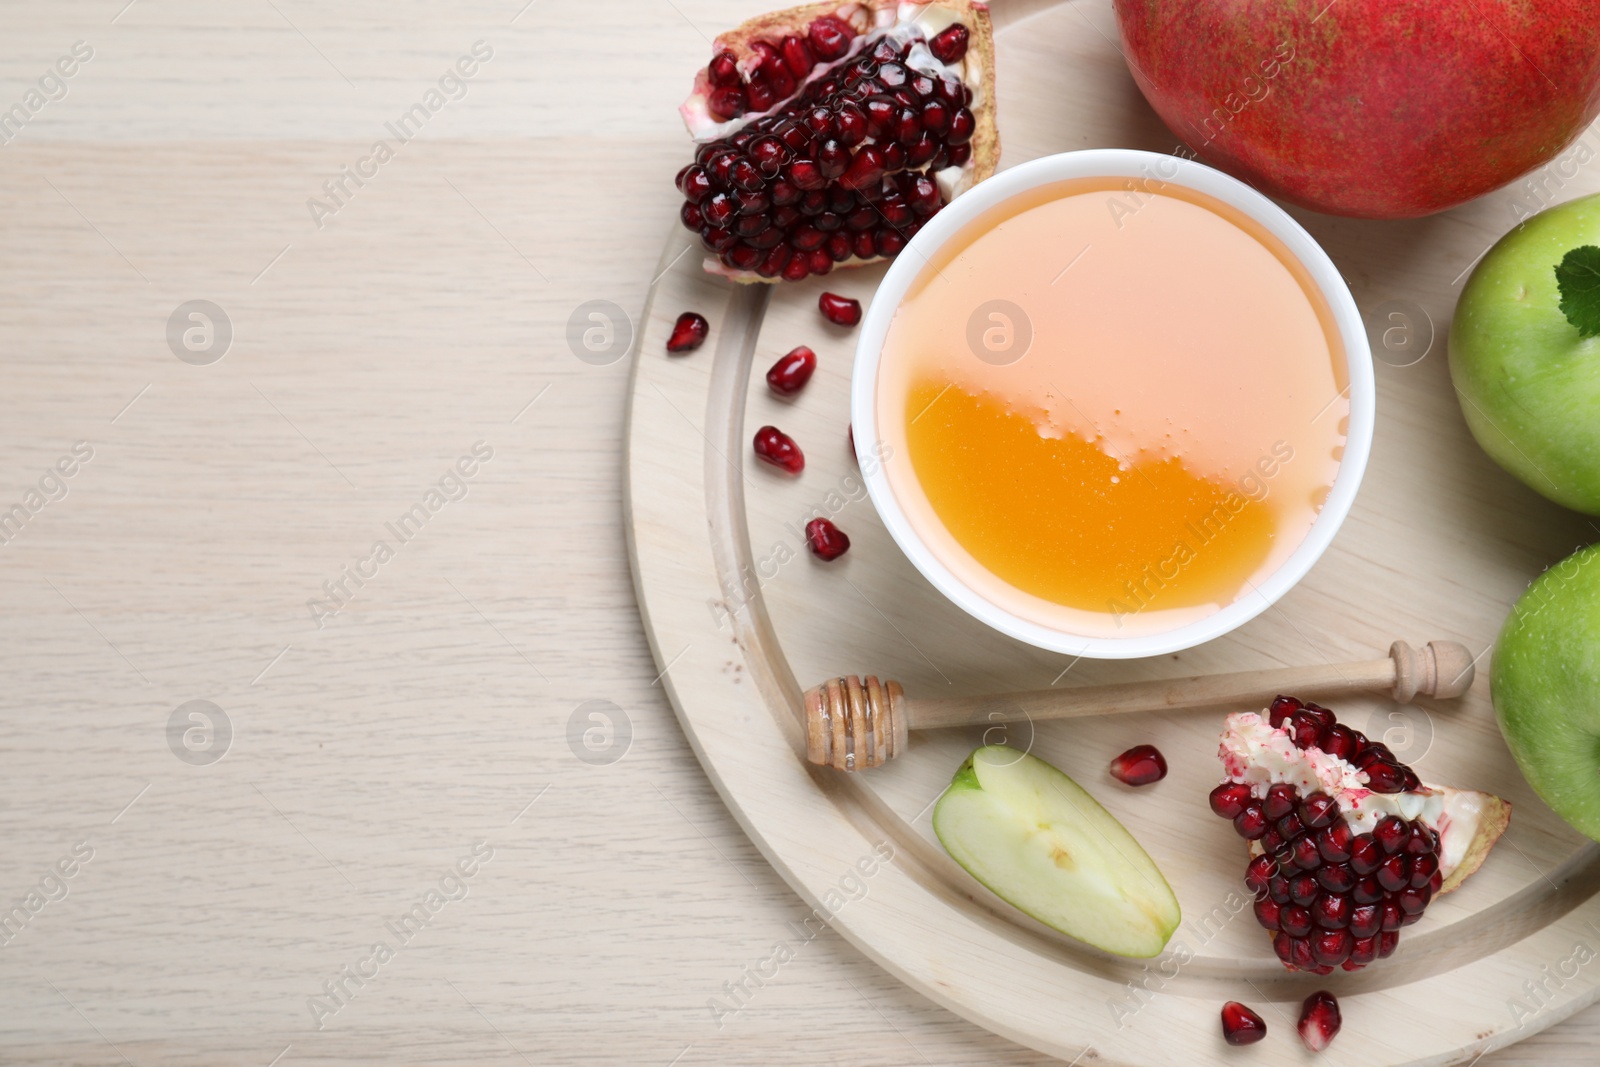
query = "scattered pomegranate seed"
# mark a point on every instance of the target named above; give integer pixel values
(790, 374)
(1240, 1025)
(778, 448)
(1140, 765)
(827, 541)
(688, 333)
(840, 310)
(950, 45)
(1319, 1020)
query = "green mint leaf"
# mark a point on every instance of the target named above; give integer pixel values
(1578, 277)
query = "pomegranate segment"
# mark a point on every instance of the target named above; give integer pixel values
(1319, 1019)
(839, 310)
(1140, 765)
(792, 371)
(830, 139)
(688, 333)
(1347, 844)
(774, 446)
(827, 541)
(1240, 1025)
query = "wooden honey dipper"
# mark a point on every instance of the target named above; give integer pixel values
(856, 723)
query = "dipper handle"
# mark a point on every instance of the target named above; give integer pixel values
(856, 723)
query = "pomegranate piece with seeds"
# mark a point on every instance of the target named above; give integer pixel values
(828, 135)
(1346, 840)
(827, 541)
(774, 446)
(790, 374)
(839, 310)
(688, 333)
(1140, 765)
(1240, 1025)
(1319, 1020)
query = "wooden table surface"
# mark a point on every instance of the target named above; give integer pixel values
(376, 533)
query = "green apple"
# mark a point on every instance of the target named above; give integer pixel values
(1545, 680)
(1529, 382)
(1039, 842)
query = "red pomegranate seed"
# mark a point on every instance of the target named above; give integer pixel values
(727, 102)
(1362, 952)
(840, 310)
(1240, 1025)
(827, 541)
(723, 69)
(1334, 842)
(1386, 944)
(1318, 810)
(1140, 765)
(1304, 730)
(963, 124)
(950, 44)
(1392, 874)
(790, 374)
(1282, 707)
(1331, 947)
(1294, 920)
(1306, 854)
(830, 37)
(866, 169)
(688, 333)
(1304, 890)
(1319, 1020)
(1259, 873)
(1331, 912)
(1250, 823)
(1365, 855)
(1423, 840)
(797, 56)
(1385, 777)
(778, 448)
(1336, 878)
(1229, 798)
(1280, 800)
(1268, 913)
(1340, 742)
(1365, 921)
(1391, 834)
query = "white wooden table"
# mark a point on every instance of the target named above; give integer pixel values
(381, 716)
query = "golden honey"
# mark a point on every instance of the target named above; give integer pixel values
(1112, 409)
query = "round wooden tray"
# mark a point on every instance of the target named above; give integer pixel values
(1440, 543)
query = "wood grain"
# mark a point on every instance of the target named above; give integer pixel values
(371, 754)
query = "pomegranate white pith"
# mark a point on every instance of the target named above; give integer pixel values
(1347, 844)
(829, 133)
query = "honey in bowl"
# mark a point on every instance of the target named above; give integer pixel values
(1114, 407)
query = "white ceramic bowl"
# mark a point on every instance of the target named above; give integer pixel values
(1117, 163)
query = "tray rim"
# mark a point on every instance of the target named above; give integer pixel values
(855, 821)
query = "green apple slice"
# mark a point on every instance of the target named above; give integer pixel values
(1039, 842)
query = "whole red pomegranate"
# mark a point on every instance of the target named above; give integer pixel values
(1371, 108)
